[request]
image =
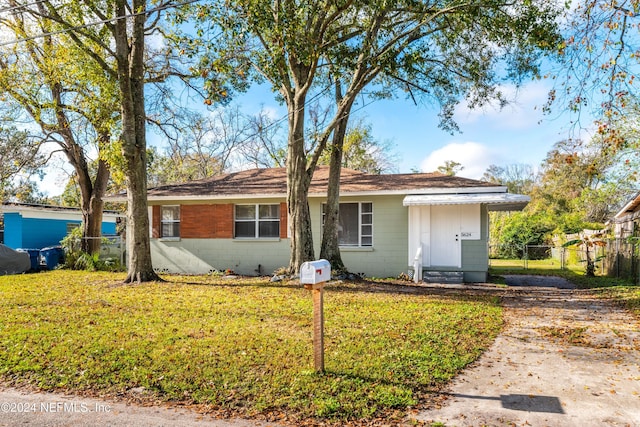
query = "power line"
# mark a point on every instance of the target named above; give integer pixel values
(286, 116)
(148, 11)
(102, 21)
(12, 8)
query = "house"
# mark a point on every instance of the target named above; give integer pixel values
(239, 221)
(626, 222)
(38, 226)
(621, 255)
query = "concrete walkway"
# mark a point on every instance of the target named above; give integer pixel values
(563, 359)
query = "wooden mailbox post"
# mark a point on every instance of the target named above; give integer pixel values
(314, 275)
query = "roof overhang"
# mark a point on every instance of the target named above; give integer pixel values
(494, 201)
(630, 207)
(53, 212)
(238, 196)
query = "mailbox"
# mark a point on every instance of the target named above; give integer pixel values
(313, 272)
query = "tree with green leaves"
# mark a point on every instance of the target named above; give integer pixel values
(450, 168)
(362, 152)
(170, 167)
(112, 36)
(437, 53)
(52, 82)
(519, 178)
(583, 177)
(599, 64)
(450, 49)
(580, 186)
(19, 157)
(589, 241)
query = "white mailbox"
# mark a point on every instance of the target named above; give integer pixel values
(313, 272)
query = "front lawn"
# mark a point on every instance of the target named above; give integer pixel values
(241, 345)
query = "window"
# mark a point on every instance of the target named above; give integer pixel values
(257, 221)
(355, 227)
(170, 221)
(72, 226)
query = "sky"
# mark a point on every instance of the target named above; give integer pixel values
(517, 133)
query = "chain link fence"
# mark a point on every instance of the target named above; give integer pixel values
(620, 258)
(111, 247)
(547, 257)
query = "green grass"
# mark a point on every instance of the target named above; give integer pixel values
(575, 273)
(542, 264)
(243, 346)
(628, 296)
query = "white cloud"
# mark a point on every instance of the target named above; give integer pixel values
(524, 108)
(474, 157)
(56, 173)
(274, 113)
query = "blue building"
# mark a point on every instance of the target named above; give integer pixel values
(39, 226)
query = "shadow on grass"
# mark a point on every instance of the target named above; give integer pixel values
(390, 287)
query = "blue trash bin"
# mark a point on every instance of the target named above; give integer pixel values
(51, 257)
(33, 257)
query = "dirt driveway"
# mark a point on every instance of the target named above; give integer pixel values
(564, 358)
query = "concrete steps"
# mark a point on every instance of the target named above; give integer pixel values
(443, 276)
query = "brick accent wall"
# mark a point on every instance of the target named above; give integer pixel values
(206, 221)
(155, 223)
(284, 225)
(209, 221)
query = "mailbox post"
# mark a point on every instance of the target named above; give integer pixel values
(313, 275)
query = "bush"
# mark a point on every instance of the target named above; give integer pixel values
(76, 259)
(515, 231)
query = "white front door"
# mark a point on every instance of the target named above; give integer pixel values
(445, 236)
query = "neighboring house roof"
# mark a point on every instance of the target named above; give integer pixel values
(631, 207)
(273, 183)
(8, 207)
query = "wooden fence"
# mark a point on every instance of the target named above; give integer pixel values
(622, 259)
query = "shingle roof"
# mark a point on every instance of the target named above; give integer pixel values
(273, 181)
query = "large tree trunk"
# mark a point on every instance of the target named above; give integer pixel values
(92, 206)
(330, 248)
(298, 181)
(130, 61)
(91, 193)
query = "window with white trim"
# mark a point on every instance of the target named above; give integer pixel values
(170, 221)
(257, 221)
(355, 224)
